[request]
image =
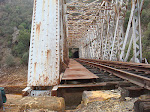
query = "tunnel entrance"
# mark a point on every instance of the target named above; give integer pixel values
(76, 54)
(73, 52)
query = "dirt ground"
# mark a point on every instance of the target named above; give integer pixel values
(11, 104)
(13, 76)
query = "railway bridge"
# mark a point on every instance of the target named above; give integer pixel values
(95, 30)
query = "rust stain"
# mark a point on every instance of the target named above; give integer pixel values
(38, 27)
(58, 81)
(46, 79)
(35, 64)
(48, 55)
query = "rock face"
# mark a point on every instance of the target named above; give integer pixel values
(105, 101)
(92, 96)
(49, 103)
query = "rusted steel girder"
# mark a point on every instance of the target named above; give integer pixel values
(133, 78)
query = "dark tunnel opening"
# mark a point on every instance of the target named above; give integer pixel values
(73, 52)
(76, 54)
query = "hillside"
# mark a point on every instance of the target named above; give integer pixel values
(15, 25)
(145, 19)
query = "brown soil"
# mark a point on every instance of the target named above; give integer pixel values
(12, 103)
(13, 76)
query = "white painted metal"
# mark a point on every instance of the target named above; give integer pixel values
(107, 41)
(136, 34)
(40, 93)
(44, 58)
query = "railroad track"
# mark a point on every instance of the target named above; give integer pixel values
(136, 73)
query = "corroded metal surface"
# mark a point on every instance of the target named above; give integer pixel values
(139, 80)
(44, 58)
(77, 71)
(129, 65)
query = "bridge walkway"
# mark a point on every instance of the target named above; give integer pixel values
(76, 71)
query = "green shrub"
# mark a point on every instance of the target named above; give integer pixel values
(9, 37)
(126, 20)
(10, 61)
(70, 53)
(147, 56)
(24, 59)
(21, 27)
(146, 43)
(9, 43)
(23, 44)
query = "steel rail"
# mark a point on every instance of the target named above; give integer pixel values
(133, 78)
(129, 65)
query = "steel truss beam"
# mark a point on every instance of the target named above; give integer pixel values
(135, 39)
(99, 33)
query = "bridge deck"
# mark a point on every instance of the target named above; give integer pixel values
(77, 71)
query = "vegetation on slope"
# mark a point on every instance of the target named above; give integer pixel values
(16, 15)
(145, 19)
